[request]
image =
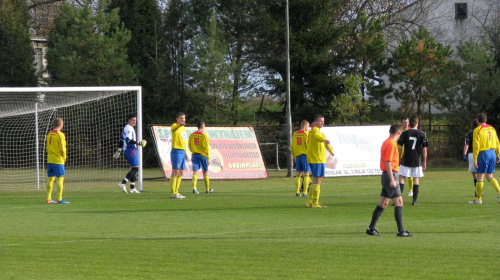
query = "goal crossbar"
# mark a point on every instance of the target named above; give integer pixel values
(13, 103)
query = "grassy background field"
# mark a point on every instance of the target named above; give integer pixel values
(254, 229)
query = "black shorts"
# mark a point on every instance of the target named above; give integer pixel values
(387, 191)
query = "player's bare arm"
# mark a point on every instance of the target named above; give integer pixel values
(424, 158)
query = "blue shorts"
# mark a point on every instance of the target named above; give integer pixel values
(55, 170)
(318, 169)
(199, 161)
(486, 161)
(301, 164)
(178, 158)
(131, 156)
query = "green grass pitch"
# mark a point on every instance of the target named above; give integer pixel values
(251, 229)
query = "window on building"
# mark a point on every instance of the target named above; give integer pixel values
(460, 10)
(39, 61)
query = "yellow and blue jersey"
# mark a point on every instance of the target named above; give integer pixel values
(179, 137)
(316, 147)
(299, 143)
(485, 138)
(199, 144)
(56, 147)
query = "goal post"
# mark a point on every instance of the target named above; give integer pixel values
(94, 118)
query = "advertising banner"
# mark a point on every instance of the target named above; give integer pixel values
(357, 150)
(234, 152)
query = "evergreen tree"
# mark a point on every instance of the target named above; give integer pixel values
(178, 30)
(470, 84)
(89, 49)
(416, 62)
(239, 21)
(17, 67)
(211, 73)
(145, 49)
(368, 55)
(316, 55)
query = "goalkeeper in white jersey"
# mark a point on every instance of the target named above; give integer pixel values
(129, 144)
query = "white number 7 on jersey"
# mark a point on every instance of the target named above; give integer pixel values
(414, 139)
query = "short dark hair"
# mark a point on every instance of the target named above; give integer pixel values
(482, 118)
(474, 123)
(200, 124)
(129, 116)
(318, 116)
(413, 121)
(179, 114)
(404, 118)
(395, 128)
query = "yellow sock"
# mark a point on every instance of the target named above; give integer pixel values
(312, 193)
(317, 191)
(179, 180)
(50, 184)
(307, 180)
(173, 185)
(60, 187)
(298, 179)
(479, 189)
(410, 183)
(206, 180)
(195, 180)
(495, 185)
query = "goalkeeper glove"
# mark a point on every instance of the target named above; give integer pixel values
(117, 153)
(143, 143)
(464, 158)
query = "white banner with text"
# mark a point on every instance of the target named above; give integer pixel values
(357, 150)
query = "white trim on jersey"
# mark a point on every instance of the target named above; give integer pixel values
(129, 134)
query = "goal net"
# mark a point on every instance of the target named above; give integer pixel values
(94, 118)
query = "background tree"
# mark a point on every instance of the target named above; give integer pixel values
(211, 73)
(144, 21)
(16, 50)
(89, 49)
(470, 84)
(43, 15)
(239, 21)
(177, 31)
(416, 62)
(315, 63)
(350, 107)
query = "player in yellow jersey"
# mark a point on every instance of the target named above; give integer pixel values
(404, 126)
(199, 145)
(316, 157)
(299, 151)
(486, 154)
(56, 158)
(178, 154)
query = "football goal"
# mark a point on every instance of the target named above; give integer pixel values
(94, 118)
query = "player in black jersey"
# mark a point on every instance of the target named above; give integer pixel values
(414, 159)
(467, 155)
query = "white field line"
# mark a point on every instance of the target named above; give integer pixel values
(161, 237)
